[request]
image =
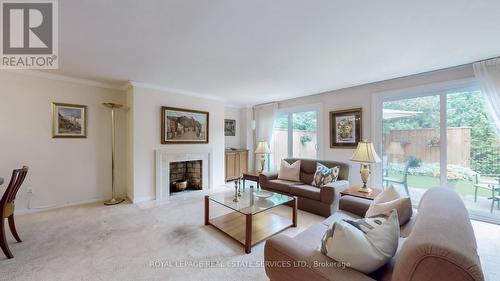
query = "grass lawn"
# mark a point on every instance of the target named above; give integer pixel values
(426, 182)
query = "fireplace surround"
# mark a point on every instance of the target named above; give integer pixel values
(166, 157)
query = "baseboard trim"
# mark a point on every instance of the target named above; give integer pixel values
(71, 204)
(143, 199)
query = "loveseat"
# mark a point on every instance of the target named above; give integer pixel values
(437, 244)
(322, 200)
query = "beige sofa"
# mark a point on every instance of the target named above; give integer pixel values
(322, 201)
(439, 246)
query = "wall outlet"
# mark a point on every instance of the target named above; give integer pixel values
(30, 190)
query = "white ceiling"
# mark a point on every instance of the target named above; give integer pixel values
(248, 52)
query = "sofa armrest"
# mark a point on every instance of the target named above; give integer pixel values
(286, 259)
(264, 177)
(330, 193)
(354, 205)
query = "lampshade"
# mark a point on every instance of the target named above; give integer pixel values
(263, 148)
(395, 148)
(365, 153)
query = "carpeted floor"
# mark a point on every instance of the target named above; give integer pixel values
(149, 241)
(152, 241)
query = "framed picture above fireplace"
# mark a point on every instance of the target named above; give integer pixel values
(183, 126)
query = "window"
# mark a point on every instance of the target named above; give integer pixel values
(439, 138)
(295, 135)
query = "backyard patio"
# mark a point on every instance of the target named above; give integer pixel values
(465, 188)
(416, 152)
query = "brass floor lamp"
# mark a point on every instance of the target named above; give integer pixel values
(113, 200)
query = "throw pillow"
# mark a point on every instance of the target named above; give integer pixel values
(389, 200)
(364, 244)
(288, 171)
(324, 175)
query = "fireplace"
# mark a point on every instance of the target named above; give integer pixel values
(164, 157)
(186, 175)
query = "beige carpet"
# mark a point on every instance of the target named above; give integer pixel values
(148, 241)
(152, 241)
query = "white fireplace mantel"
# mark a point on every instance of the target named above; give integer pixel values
(163, 159)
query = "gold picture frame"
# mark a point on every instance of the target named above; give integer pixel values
(69, 120)
(184, 126)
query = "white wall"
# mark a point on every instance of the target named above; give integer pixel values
(146, 125)
(249, 137)
(62, 171)
(361, 96)
(68, 171)
(239, 140)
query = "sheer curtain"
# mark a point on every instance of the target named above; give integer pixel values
(488, 76)
(264, 116)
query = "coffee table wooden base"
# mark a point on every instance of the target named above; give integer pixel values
(251, 229)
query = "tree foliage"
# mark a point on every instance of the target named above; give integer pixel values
(303, 121)
(464, 109)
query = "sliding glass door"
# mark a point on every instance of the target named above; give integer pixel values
(411, 150)
(295, 135)
(440, 140)
(473, 160)
(279, 143)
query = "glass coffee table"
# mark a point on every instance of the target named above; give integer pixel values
(249, 222)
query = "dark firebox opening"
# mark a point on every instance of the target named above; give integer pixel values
(190, 171)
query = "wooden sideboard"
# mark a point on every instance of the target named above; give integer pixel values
(236, 163)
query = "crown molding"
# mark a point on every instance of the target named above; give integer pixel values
(237, 106)
(175, 91)
(65, 78)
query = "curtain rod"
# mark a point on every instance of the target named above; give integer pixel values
(401, 77)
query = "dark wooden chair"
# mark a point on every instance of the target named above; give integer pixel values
(7, 208)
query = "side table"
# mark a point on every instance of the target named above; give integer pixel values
(353, 191)
(251, 176)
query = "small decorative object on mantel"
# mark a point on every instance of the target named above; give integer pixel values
(345, 128)
(366, 155)
(113, 200)
(229, 127)
(69, 120)
(182, 126)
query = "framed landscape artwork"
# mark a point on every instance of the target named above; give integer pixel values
(69, 120)
(181, 126)
(229, 127)
(345, 128)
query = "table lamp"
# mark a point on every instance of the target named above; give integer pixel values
(263, 150)
(395, 149)
(365, 154)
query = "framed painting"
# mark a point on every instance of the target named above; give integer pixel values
(182, 126)
(229, 127)
(69, 120)
(345, 128)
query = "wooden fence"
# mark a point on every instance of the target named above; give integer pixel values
(279, 145)
(424, 144)
(421, 143)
